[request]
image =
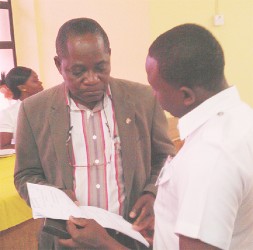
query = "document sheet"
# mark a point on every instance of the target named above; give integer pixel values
(51, 202)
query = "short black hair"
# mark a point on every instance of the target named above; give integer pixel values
(189, 55)
(15, 77)
(75, 27)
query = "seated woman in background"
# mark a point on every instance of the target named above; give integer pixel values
(22, 82)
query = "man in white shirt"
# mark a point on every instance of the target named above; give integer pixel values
(205, 193)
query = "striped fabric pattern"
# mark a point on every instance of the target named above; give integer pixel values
(96, 161)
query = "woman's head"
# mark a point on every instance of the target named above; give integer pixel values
(22, 82)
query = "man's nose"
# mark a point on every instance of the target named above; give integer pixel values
(90, 77)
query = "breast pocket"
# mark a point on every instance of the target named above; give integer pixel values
(166, 172)
(164, 192)
(163, 177)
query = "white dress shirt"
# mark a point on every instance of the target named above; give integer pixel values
(206, 191)
(8, 119)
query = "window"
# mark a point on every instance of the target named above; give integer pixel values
(7, 45)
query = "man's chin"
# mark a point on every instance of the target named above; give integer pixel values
(89, 101)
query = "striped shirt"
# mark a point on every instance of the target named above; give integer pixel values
(96, 155)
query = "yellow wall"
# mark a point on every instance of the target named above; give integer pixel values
(235, 36)
(125, 21)
(25, 33)
(131, 26)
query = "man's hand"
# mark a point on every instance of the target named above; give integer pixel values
(143, 213)
(88, 233)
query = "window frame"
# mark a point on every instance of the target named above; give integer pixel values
(9, 44)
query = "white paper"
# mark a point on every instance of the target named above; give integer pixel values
(50, 202)
(6, 152)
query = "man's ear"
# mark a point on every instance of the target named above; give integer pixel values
(57, 62)
(189, 96)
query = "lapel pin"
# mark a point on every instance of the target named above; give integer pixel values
(128, 120)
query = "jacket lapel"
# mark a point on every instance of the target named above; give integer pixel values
(125, 117)
(59, 127)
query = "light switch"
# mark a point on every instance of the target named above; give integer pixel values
(219, 20)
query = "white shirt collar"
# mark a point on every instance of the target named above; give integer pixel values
(212, 106)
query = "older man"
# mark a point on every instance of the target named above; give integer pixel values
(104, 140)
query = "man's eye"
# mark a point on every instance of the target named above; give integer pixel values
(78, 73)
(100, 69)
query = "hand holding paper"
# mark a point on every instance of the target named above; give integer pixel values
(84, 237)
(50, 202)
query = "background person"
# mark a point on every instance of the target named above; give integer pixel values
(102, 138)
(22, 83)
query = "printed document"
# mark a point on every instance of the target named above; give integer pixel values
(51, 202)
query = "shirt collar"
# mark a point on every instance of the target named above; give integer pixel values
(202, 113)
